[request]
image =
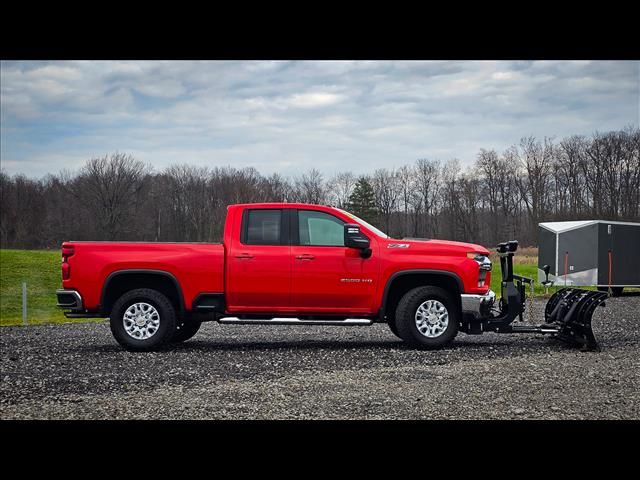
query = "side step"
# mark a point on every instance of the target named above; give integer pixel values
(351, 322)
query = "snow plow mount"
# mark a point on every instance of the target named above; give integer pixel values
(567, 314)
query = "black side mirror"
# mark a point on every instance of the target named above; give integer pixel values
(353, 238)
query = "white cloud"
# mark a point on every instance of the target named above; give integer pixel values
(313, 99)
(289, 116)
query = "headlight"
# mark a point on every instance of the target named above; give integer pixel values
(483, 260)
(485, 266)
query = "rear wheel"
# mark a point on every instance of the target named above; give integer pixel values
(142, 320)
(427, 317)
(186, 330)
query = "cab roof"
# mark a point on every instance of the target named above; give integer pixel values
(280, 205)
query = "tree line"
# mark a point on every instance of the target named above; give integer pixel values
(502, 195)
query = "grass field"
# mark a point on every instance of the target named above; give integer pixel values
(41, 271)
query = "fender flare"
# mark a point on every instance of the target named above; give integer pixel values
(401, 273)
(118, 273)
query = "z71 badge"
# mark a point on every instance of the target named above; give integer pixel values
(398, 245)
(356, 280)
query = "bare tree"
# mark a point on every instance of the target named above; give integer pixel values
(406, 186)
(450, 200)
(428, 187)
(499, 197)
(491, 169)
(386, 194)
(340, 188)
(110, 188)
(310, 188)
(536, 159)
(570, 176)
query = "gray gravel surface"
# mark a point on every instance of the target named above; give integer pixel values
(77, 371)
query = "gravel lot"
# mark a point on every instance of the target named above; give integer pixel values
(261, 372)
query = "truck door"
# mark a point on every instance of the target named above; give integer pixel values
(259, 266)
(328, 277)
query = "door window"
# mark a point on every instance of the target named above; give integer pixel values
(262, 227)
(320, 229)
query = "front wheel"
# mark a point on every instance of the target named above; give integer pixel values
(143, 320)
(392, 327)
(427, 317)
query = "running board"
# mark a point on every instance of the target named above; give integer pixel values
(294, 321)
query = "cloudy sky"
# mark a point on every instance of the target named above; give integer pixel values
(291, 116)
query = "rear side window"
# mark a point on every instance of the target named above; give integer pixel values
(262, 227)
(320, 229)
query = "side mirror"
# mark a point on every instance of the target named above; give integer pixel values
(353, 238)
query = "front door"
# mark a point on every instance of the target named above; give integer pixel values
(328, 277)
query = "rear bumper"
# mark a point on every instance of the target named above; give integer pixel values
(477, 306)
(69, 299)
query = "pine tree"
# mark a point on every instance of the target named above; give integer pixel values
(362, 201)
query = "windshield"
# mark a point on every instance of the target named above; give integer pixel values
(375, 230)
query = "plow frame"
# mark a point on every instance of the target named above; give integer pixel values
(568, 312)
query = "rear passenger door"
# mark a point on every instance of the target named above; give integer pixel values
(259, 270)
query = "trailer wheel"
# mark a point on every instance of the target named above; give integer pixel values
(186, 330)
(427, 317)
(143, 319)
(615, 291)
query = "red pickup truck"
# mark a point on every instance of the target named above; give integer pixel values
(279, 263)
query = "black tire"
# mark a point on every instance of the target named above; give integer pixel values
(392, 326)
(406, 312)
(166, 312)
(186, 330)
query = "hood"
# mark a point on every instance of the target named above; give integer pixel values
(445, 247)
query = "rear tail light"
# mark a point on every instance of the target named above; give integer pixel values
(67, 251)
(66, 271)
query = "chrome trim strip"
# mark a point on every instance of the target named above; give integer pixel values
(294, 321)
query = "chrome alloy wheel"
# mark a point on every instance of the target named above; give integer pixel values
(432, 318)
(141, 321)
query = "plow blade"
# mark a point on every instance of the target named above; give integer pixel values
(569, 310)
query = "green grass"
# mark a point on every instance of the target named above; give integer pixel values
(530, 271)
(40, 269)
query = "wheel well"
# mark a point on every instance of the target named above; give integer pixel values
(402, 283)
(121, 282)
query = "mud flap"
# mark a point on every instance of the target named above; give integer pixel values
(570, 311)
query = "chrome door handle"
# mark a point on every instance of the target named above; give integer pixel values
(305, 256)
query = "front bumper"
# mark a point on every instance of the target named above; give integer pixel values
(477, 306)
(69, 299)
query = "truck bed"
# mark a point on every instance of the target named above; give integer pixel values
(198, 267)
